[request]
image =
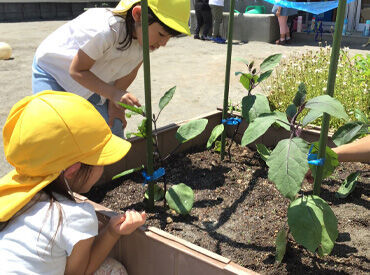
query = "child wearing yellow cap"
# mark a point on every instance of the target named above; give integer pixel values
(58, 144)
(98, 54)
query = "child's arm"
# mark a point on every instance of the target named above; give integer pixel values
(80, 71)
(88, 255)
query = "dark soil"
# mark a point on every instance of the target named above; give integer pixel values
(238, 211)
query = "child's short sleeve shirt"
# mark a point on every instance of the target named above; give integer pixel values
(98, 33)
(26, 246)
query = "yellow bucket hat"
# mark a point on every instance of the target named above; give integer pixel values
(174, 13)
(45, 134)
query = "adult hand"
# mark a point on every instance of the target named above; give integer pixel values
(126, 223)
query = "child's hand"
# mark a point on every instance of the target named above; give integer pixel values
(126, 98)
(116, 112)
(126, 223)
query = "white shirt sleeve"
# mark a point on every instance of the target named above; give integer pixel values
(99, 43)
(80, 223)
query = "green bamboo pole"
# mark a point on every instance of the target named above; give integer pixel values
(330, 91)
(148, 100)
(227, 72)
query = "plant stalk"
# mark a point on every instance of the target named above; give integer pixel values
(227, 73)
(330, 91)
(148, 101)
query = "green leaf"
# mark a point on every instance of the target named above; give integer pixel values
(291, 111)
(331, 161)
(270, 62)
(241, 60)
(142, 129)
(253, 106)
(217, 147)
(327, 104)
(166, 98)
(349, 132)
(288, 166)
(281, 118)
(263, 151)
(127, 172)
(180, 198)
(311, 116)
(359, 115)
(132, 108)
(313, 224)
(348, 186)
(280, 242)
(300, 96)
(158, 193)
(264, 76)
(258, 127)
(245, 80)
(216, 132)
(191, 129)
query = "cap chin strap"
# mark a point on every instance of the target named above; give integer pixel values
(69, 188)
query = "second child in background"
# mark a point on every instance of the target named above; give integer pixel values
(282, 14)
(98, 54)
(204, 19)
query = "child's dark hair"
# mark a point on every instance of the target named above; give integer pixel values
(130, 27)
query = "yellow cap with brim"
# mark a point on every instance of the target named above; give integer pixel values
(45, 134)
(174, 13)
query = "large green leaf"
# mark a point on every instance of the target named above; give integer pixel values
(180, 198)
(263, 151)
(288, 166)
(158, 193)
(257, 128)
(313, 224)
(311, 116)
(253, 106)
(348, 186)
(327, 104)
(270, 62)
(191, 129)
(216, 132)
(166, 98)
(280, 242)
(245, 80)
(132, 108)
(330, 163)
(349, 132)
(264, 75)
(300, 96)
(127, 172)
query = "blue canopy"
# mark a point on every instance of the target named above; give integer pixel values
(311, 7)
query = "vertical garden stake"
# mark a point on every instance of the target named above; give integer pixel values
(330, 91)
(148, 101)
(227, 72)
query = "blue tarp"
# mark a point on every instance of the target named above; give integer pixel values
(311, 7)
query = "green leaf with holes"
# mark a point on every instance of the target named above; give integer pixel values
(270, 62)
(348, 186)
(349, 132)
(180, 198)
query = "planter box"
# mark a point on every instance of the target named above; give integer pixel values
(167, 142)
(152, 251)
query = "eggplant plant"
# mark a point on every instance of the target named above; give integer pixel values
(252, 105)
(179, 197)
(311, 221)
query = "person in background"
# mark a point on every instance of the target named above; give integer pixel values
(98, 54)
(217, 8)
(204, 19)
(282, 14)
(58, 144)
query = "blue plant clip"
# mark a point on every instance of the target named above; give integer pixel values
(156, 175)
(312, 158)
(232, 121)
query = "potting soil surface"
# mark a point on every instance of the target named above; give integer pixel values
(237, 212)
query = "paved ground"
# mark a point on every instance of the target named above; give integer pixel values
(196, 67)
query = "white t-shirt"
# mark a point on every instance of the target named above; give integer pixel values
(216, 2)
(25, 246)
(97, 32)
